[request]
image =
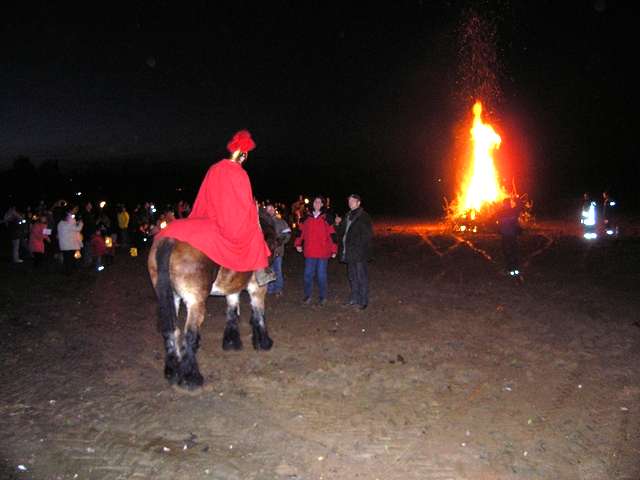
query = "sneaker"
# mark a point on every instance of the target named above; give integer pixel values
(322, 302)
(306, 300)
(350, 303)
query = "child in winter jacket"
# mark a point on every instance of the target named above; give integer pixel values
(37, 237)
(98, 248)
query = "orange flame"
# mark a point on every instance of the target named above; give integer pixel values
(480, 186)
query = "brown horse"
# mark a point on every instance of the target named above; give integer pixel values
(180, 272)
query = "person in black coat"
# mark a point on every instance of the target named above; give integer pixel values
(354, 234)
(509, 228)
(89, 227)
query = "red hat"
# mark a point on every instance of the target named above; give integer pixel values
(241, 141)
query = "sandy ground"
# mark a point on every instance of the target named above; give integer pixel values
(454, 371)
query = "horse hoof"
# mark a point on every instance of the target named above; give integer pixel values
(264, 343)
(192, 382)
(171, 375)
(267, 344)
(232, 340)
(231, 345)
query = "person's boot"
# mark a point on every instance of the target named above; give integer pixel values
(264, 276)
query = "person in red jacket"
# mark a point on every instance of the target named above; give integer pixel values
(98, 248)
(317, 244)
(37, 236)
(223, 223)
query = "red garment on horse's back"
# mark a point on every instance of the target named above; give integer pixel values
(223, 223)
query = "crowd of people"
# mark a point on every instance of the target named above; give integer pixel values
(84, 234)
(224, 224)
(320, 235)
(68, 236)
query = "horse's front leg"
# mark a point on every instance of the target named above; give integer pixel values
(260, 336)
(189, 373)
(231, 339)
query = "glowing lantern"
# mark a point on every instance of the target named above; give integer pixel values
(108, 241)
(103, 204)
(77, 255)
(133, 251)
(163, 224)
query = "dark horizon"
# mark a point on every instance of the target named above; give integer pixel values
(338, 98)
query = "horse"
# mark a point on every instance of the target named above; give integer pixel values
(179, 273)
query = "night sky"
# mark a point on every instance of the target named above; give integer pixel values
(338, 98)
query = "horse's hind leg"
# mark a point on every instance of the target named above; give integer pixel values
(190, 376)
(231, 339)
(171, 336)
(168, 303)
(189, 373)
(260, 336)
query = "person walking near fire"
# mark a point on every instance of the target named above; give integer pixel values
(509, 228)
(223, 223)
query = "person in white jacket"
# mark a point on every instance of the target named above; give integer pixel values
(70, 240)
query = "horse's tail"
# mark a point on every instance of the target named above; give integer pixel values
(167, 316)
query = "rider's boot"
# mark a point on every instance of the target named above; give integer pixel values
(264, 276)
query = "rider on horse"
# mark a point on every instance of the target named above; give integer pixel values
(223, 223)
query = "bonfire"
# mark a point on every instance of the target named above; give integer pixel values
(481, 192)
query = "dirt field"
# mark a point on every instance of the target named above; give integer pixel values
(454, 371)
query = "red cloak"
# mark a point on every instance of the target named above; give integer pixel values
(223, 223)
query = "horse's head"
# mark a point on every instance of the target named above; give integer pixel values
(269, 232)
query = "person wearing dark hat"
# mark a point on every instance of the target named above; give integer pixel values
(355, 233)
(223, 222)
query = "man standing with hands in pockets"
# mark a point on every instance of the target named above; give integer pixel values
(355, 232)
